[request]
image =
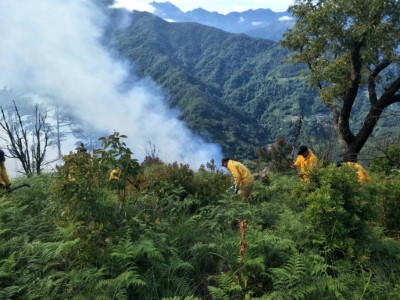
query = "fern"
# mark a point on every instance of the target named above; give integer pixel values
(181, 298)
(170, 277)
(102, 297)
(7, 267)
(129, 252)
(177, 263)
(52, 250)
(117, 287)
(255, 265)
(8, 289)
(227, 288)
(290, 280)
(290, 274)
(218, 293)
(10, 293)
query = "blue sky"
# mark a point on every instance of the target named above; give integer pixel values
(221, 6)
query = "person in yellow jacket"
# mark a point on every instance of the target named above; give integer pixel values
(362, 174)
(306, 161)
(244, 181)
(114, 174)
(140, 183)
(5, 182)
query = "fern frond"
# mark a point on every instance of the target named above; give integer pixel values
(178, 264)
(102, 297)
(128, 252)
(180, 298)
(9, 293)
(7, 268)
(4, 231)
(254, 264)
(124, 280)
(217, 293)
(227, 287)
(292, 279)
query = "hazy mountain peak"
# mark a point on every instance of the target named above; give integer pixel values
(265, 20)
(166, 8)
(202, 10)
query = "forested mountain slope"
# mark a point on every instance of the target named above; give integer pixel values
(232, 89)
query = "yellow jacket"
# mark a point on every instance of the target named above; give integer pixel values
(115, 173)
(306, 164)
(240, 172)
(363, 175)
(4, 179)
(140, 183)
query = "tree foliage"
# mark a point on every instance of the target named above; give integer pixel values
(387, 159)
(351, 51)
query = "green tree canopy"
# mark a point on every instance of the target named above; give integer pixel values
(352, 49)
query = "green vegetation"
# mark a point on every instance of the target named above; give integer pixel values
(165, 231)
(78, 235)
(238, 91)
(230, 88)
(353, 56)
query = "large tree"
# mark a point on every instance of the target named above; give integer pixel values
(352, 50)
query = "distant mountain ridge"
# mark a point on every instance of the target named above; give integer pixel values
(260, 23)
(238, 91)
(231, 89)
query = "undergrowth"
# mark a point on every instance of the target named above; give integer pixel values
(89, 238)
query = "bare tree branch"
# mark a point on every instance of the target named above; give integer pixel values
(31, 155)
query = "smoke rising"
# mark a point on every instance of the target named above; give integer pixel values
(52, 48)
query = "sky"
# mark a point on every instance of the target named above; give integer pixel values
(221, 6)
(42, 57)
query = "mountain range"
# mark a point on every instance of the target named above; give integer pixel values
(260, 23)
(231, 89)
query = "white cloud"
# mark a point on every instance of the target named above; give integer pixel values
(285, 18)
(51, 47)
(256, 23)
(134, 5)
(241, 20)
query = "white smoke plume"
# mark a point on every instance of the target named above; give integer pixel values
(52, 48)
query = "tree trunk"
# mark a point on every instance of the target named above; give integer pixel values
(58, 133)
(353, 144)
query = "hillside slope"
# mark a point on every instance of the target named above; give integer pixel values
(231, 89)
